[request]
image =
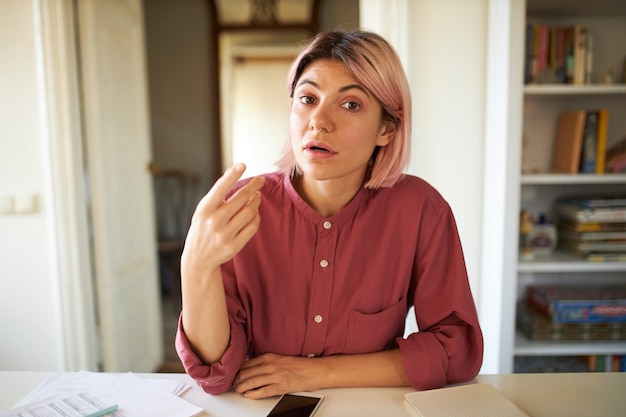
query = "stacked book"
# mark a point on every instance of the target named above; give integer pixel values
(573, 312)
(593, 228)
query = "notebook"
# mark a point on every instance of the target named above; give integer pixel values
(473, 400)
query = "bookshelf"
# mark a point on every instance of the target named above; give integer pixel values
(535, 188)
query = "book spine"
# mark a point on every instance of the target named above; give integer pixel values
(552, 37)
(544, 46)
(589, 58)
(591, 362)
(529, 57)
(592, 215)
(580, 46)
(561, 71)
(535, 50)
(603, 122)
(615, 363)
(588, 153)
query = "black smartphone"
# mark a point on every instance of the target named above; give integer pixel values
(296, 405)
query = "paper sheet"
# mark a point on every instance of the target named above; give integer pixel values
(77, 394)
(472, 400)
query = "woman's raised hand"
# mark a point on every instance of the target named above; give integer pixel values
(221, 227)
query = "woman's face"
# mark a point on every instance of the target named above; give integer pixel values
(335, 124)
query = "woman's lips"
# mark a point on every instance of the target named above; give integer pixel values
(319, 150)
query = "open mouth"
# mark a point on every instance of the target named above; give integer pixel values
(318, 147)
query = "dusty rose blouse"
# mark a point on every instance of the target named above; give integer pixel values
(308, 285)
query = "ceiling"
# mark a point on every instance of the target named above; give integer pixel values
(245, 12)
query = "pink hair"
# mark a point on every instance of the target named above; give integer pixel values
(375, 64)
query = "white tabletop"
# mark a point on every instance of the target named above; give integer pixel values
(539, 395)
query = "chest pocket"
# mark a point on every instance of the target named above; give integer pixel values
(375, 332)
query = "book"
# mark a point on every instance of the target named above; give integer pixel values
(471, 400)
(584, 248)
(615, 236)
(598, 201)
(618, 165)
(566, 224)
(605, 257)
(535, 52)
(603, 122)
(569, 54)
(615, 155)
(590, 142)
(568, 141)
(588, 76)
(544, 45)
(579, 303)
(580, 59)
(536, 326)
(528, 57)
(560, 54)
(592, 209)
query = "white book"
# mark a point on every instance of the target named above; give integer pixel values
(472, 400)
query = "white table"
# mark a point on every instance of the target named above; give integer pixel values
(549, 395)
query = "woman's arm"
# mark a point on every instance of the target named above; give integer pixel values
(269, 374)
(219, 229)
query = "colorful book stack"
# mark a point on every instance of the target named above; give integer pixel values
(558, 54)
(606, 363)
(594, 227)
(573, 312)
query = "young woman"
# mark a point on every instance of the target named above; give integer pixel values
(301, 279)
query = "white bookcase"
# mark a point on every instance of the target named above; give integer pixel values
(533, 186)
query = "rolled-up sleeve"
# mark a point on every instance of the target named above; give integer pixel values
(218, 377)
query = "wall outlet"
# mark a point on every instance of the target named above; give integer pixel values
(26, 203)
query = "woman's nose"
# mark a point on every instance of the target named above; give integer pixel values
(321, 119)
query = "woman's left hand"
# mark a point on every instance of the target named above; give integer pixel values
(269, 374)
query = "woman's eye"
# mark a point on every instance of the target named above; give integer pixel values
(307, 100)
(351, 105)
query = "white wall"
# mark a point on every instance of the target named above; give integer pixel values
(448, 61)
(29, 317)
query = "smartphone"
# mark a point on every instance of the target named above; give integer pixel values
(296, 405)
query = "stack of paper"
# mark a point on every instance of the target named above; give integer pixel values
(473, 400)
(77, 394)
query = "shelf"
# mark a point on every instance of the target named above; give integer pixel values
(557, 179)
(527, 347)
(535, 110)
(566, 262)
(568, 89)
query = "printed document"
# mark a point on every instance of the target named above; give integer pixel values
(82, 393)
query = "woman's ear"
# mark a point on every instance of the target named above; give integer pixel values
(387, 133)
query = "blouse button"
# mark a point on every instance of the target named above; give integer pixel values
(323, 263)
(318, 319)
(327, 225)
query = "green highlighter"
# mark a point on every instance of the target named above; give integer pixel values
(103, 412)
